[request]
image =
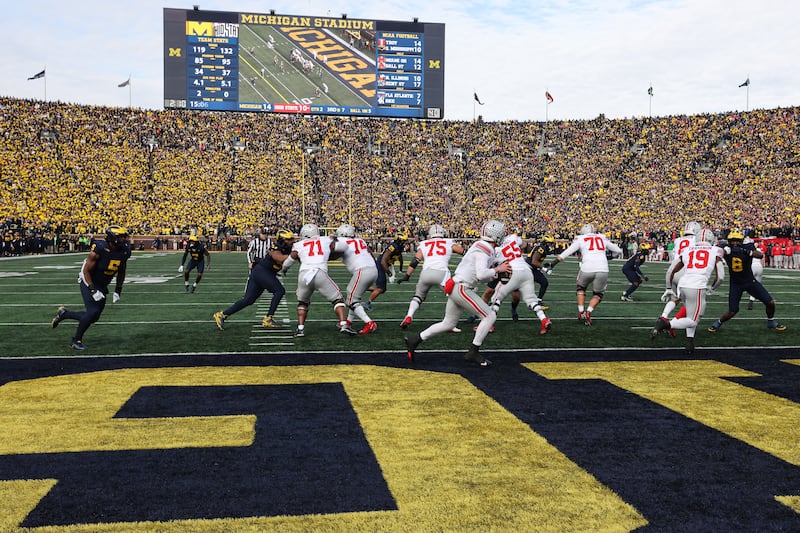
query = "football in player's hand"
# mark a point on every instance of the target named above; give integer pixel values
(504, 277)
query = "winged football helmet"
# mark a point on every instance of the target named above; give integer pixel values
(736, 235)
(116, 235)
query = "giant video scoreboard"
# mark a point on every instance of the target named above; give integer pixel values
(272, 63)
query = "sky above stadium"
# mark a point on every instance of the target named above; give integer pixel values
(593, 57)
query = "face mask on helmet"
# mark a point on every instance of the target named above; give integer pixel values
(345, 230)
(436, 231)
(493, 231)
(308, 231)
(586, 229)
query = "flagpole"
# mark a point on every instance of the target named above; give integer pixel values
(129, 91)
(747, 95)
(474, 93)
(45, 83)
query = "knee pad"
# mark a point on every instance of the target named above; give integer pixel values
(580, 290)
(598, 295)
(418, 299)
(303, 306)
(338, 303)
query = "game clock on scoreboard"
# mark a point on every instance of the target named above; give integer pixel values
(227, 61)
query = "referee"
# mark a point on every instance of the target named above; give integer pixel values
(258, 248)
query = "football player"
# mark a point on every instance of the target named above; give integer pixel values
(434, 253)
(313, 252)
(670, 295)
(739, 258)
(385, 263)
(521, 280)
(536, 259)
(263, 277)
(358, 260)
(633, 271)
(593, 269)
(475, 267)
(200, 259)
(699, 262)
(107, 260)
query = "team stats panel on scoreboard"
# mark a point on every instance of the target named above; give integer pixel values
(225, 61)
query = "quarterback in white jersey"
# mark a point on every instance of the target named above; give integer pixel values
(313, 252)
(521, 279)
(699, 262)
(593, 270)
(475, 267)
(358, 260)
(434, 253)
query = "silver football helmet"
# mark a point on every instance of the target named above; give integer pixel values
(493, 231)
(707, 235)
(308, 231)
(436, 231)
(345, 230)
(586, 229)
(692, 228)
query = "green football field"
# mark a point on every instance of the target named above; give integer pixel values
(156, 316)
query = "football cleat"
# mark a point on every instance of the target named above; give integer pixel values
(547, 325)
(587, 318)
(582, 316)
(690, 345)
(367, 305)
(514, 314)
(661, 325)
(269, 322)
(406, 322)
(777, 326)
(412, 341)
(193, 289)
(186, 289)
(491, 329)
(626, 298)
(77, 345)
(300, 332)
(671, 332)
(713, 328)
(59, 317)
(369, 327)
(455, 330)
(473, 355)
(750, 305)
(219, 318)
(347, 330)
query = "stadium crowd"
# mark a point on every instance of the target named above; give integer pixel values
(69, 170)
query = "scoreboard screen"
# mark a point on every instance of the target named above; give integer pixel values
(271, 63)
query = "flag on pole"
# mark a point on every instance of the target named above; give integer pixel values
(650, 91)
(745, 83)
(477, 99)
(125, 83)
(37, 75)
(549, 97)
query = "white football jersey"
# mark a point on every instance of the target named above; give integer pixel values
(436, 253)
(476, 265)
(511, 252)
(356, 253)
(699, 262)
(592, 247)
(313, 253)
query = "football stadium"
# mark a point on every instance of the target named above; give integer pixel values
(182, 405)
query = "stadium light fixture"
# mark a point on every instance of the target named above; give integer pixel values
(344, 16)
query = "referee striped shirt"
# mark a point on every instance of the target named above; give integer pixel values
(257, 250)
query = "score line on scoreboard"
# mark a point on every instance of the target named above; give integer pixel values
(227, 61)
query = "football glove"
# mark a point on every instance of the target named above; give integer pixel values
(668, 295)
(180, 268)
(727, 250)
(390, 278)
(96, 294)
(405, 277)
(115, 298)
(547, 270)
(710, 291)
(645, 278)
